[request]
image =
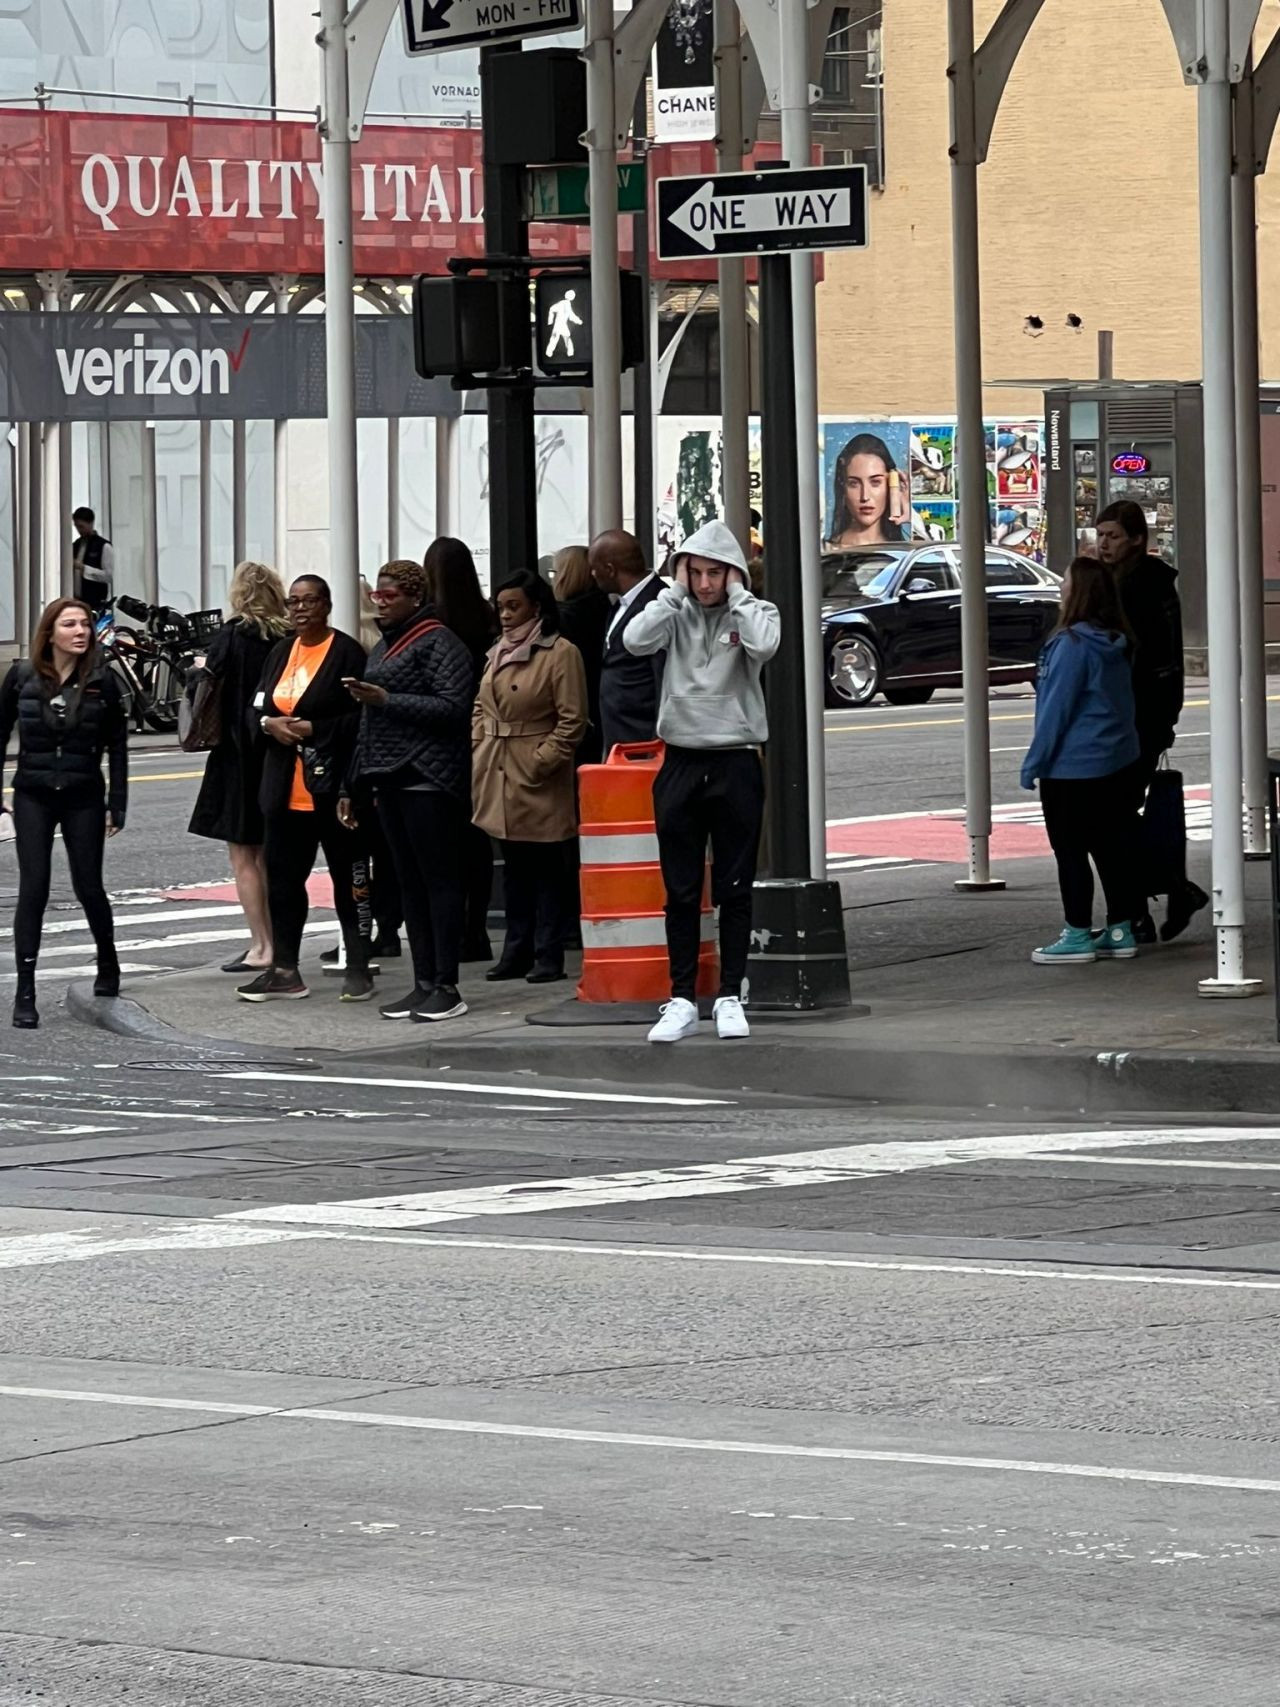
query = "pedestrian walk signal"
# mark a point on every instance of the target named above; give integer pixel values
(562, 323)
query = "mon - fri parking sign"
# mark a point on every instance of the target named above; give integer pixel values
(434, 26)
(762, 213)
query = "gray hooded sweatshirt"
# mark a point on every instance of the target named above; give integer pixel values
(711, 694)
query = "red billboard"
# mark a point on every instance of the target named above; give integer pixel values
(113, 193)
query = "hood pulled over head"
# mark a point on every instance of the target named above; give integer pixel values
(717, 542)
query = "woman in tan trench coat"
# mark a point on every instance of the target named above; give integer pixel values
(530, 714)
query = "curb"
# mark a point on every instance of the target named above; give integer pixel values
(124, 1017)
(1045, 1080)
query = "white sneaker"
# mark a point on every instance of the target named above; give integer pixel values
(731, 1020)
(677, 1019)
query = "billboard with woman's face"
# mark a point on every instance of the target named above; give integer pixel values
(867, 481)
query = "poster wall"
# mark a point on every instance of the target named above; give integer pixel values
(883, 482)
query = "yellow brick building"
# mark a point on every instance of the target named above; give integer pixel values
(1089, 207)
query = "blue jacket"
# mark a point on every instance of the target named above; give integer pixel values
(1085, 724)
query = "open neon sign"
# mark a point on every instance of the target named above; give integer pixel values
(1130, 462)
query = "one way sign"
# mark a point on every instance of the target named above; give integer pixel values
(762, 213)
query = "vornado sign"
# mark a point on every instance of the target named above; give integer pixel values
(147, 370)
(141, 367)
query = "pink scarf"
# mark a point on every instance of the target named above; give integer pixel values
(516, 645)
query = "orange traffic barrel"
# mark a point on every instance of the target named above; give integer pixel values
(624, 939)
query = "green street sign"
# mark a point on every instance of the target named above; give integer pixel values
(559, 193)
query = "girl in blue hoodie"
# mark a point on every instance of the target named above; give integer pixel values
(1084, 755)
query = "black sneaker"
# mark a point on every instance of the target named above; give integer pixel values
(406, 1005)
(357, 987)
(444, 1002)
(1182, 909)
(274, 985)
(384, 948)
(1144, 931)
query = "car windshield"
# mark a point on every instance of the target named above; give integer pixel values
(859, 574)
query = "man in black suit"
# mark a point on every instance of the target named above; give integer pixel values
(629, 686)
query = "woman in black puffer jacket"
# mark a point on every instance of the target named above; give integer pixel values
(414, 755)
(68, 711)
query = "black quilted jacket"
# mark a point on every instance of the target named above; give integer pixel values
(423, 732)
(63, 754)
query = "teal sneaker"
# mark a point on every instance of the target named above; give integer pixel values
(1117, 942)
(1073, 947)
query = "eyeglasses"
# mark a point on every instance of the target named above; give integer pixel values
(384, 595)
(303, 604)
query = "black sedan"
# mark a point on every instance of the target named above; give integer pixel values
(891, 620)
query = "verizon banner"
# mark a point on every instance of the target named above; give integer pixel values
(144, 367)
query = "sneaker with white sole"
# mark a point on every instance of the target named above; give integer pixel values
(1074, 947)
(444, 1002)
(1117, 942)
(677, 1019)
(730, 1018)
(274, 986)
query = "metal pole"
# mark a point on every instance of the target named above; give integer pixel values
(513, 482)
(66, 503)
(280, 454)
(606, 310)
(971, 448)
(642, 375)
(1253, 642)
(787, 785)
(35, 524)
(239, 493)
(735, 349)
(393, 486)
(339, 318)
(22, 620)
(206, 513)
(797, 146)
(55, 523)
(444, 507)
(1213, 98)
(150, 543)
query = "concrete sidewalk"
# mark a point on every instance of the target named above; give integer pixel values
(953, 1013)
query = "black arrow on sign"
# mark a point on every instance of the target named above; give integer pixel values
(434, 13)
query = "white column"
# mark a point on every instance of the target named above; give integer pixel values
(1253, 646)
(735, 348)
(339, 320)
(56, 525)
(239, 493)
(393, 486)
(66, 503)
(150, 541)
(23, 620)
(606, 313)
(205, 487)
(971, 448)
(797, 138)
(445, 435)
(1213, 99)
(280, 452)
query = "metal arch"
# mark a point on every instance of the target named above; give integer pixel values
(992, 64)
(1266, 105)
(633, 40)
(1186, 21)
(365, 28)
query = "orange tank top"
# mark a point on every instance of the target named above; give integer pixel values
(299, 673)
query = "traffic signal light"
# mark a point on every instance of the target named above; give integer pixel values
(563, 341)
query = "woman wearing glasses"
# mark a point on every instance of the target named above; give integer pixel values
(310, 723)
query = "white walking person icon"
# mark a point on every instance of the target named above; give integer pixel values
(562, 320)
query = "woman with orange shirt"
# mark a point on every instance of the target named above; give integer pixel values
(311, 723)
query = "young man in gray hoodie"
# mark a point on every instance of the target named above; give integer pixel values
(717, 637)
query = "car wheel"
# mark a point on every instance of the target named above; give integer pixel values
(908, 696)
(853, 671)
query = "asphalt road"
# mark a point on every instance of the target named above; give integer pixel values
(326, 1385)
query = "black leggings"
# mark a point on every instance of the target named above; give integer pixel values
(82, 818)
(293, 841)
(427, 831)
(1096, 817)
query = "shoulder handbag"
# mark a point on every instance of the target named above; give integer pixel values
(319, 772)
(1164, 835)
(200, 713)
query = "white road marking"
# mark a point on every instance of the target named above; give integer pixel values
(663, 1442)
(166, 915)
(38, 1250)
(750, 1173)
(469, 1089)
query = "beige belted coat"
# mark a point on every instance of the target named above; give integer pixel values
(528, 719)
